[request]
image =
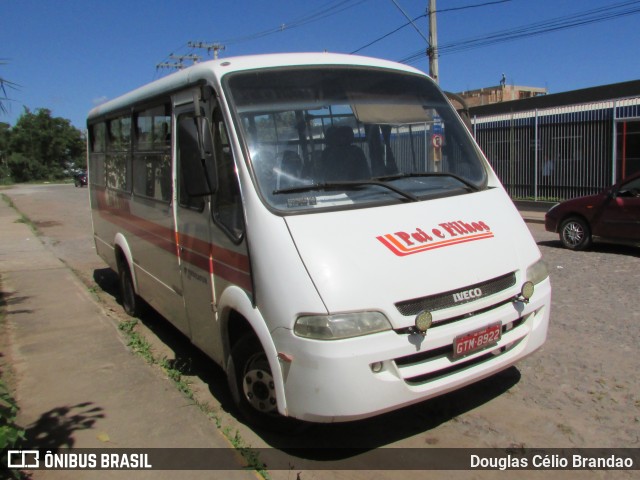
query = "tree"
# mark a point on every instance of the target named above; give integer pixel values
(5, 173)
(4, 84)
(43, 147)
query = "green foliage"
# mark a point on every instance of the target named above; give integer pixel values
(5, 173)
(22, 168)
(39, 147)
(10, 433)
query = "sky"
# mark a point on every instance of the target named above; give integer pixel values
(70, 55)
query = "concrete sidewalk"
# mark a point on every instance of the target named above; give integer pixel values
(531, 216)
(533, 212)
(77, 383)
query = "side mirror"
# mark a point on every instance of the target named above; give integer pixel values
(195, 142)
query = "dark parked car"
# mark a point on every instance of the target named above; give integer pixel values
(80, 179)
(612, 215)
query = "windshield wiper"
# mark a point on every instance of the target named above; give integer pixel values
(347, 183)
(429, 174)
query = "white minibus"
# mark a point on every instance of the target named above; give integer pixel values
(323, 226)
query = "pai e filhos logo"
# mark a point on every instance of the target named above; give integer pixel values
(443, 235)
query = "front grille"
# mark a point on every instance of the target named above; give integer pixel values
(446, 350)
(444, 300)
(423, 367)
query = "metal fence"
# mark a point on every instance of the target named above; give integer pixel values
(562, 152)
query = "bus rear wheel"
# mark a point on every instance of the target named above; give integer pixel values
(131, 302)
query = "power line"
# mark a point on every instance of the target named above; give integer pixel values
(413, 24)
(331, 9)
(555, 24)
(388, 34)
(411, 21)
(559, 23)
(466, 7)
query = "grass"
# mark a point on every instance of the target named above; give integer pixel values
(136, 341)
(566, 429)
(22, 218)
(7, 182)
(8, 201)
(11, 434)
(175, 373)
(539, 199)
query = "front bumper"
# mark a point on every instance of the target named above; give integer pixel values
(332, 381)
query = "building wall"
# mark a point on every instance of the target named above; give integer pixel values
(500, 93)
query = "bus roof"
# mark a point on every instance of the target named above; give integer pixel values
(216, 69)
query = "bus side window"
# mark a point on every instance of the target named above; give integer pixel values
(152, 153)
(227, 202)
(187, 148)
(118, 161)
(97, 138)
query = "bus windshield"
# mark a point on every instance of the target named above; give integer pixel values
(345, 136)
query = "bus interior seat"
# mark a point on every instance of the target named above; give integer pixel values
(341, 159)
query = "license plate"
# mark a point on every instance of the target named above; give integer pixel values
(477, 340)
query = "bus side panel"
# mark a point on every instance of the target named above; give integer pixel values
(151, 236)
(143, 223)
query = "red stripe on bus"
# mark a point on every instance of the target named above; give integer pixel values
(229, 265)
(229, 257)
(195, 259)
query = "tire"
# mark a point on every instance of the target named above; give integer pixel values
(131, 302)
(575, 234)
(253, 389)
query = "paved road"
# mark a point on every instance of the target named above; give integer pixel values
(581, 390)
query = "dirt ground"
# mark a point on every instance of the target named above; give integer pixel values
(582, 389)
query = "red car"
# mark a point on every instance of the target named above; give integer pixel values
(612, 215)
(80, 179)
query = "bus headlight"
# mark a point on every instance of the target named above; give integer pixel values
(341, 325)
(537, 272)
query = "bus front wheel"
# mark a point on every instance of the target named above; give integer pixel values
(253, 388)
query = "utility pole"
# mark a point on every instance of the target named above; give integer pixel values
(209, 47)
(432, 51)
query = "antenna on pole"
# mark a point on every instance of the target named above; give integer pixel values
(194, 58)
(179, 64)
(176, 66)
(209, 47)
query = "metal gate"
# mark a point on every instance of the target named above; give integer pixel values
(558, 153)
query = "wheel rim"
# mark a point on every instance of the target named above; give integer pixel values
(573, 234)
(258, 385)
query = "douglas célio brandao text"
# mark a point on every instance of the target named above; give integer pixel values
(551, 461)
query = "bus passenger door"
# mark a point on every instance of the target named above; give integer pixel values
(211, 238)
(193, 223)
